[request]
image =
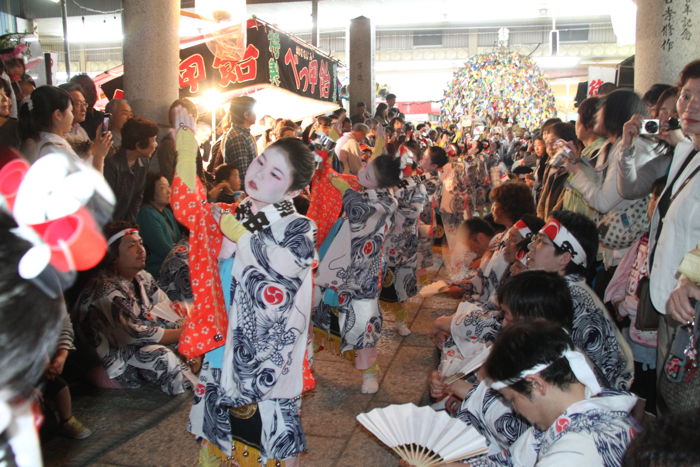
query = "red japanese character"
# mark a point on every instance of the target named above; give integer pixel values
(233, 71)
(192, 71)
(290, 58)
(594, 86)
(313, 75)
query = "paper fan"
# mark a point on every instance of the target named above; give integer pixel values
(421, 436)
(457, 367)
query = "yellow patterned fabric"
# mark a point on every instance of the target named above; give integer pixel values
(241, 456)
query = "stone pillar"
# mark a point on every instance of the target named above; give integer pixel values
(668, 33)
(361, 61)
(151, 56)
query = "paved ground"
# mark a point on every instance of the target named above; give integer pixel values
(145, 428)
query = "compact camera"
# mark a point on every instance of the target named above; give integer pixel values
(650, 127)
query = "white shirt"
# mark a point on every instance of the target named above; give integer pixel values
(681, 228)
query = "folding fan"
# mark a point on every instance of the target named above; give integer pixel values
(421, 436)
(174, 312)
(454, 367)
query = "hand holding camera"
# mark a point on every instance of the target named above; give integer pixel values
(566, 154)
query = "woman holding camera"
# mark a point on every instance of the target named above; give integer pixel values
(598, 185)
(633, 182)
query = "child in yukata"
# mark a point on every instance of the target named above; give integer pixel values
(358, 273)
(434, 159)
(248, 400)
(401, 245)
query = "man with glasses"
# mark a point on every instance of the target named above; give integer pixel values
(120, 111)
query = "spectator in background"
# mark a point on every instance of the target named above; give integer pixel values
(6, 78)
(56, 389)
(360, 114)
(156, 222)
(572, 199)
(166, 155)
(239, 144)
(8, 126)
(126, 170)
(391, 102)
(93, 117)
(651, 97)
(227, 185)
(96, 152)
(15, 69)
(380, 114)
(599, 188)
(77, 97)
(348, 149)
(27, 86)
(555, 175)
(120, 112)
(43, 122)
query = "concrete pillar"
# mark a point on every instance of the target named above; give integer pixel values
(668, 33)
(151, 56)
(361, 61)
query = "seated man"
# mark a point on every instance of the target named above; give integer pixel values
(534, 367)
(128, 323)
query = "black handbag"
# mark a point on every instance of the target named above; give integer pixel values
(647, 318)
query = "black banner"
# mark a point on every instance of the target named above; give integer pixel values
(271, 57)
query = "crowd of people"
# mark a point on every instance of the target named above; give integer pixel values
(571, 248)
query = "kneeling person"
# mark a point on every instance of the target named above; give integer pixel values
(534, 366)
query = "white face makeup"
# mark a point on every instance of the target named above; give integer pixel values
(367, 176)
(269, 176)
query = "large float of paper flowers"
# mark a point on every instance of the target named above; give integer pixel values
(496, 86)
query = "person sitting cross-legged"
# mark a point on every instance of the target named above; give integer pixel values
(128, 323)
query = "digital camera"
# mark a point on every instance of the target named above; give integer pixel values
(650, 127)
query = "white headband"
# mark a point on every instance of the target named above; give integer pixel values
(577, 362)
(120, 234)
(565, 240)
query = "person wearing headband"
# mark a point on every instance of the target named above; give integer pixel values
(519, 237)
(537, 371)
(127, 322)
(527, 296)
(564, 246)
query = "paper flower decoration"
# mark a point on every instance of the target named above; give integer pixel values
(496, 86)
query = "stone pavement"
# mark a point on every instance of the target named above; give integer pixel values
(328, 413)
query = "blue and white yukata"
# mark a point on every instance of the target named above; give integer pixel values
(426, 220)
(353, 292)
(594, 333)
(115, 322)
(594, 432)
(250, 390)
(401, 245)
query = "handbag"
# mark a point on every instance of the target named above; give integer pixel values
(647, 318)
(618, 229)
(679, 384)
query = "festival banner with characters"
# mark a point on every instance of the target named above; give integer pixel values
(270, 58)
